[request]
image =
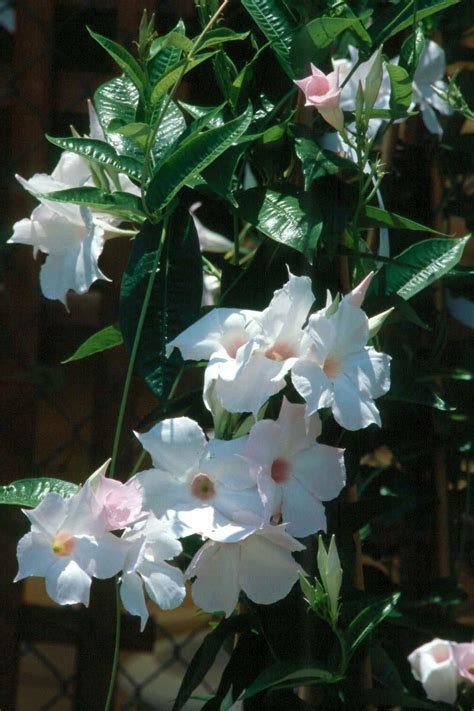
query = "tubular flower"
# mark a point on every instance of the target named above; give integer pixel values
(322, 91)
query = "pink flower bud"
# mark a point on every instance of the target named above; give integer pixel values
(322, 91)
(122, 502)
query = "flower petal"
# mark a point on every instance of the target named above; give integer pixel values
(302, 510)
(321, 470)
(164, 584)
(35, 555)
(101, 557)
(267, 572)
(48, 516)
(133, 598)
(312, 384)
(351, 409)
(175, 445)
(216, 586)
(369, 370)
(67, 583)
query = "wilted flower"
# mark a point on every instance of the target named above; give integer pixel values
(322, 91)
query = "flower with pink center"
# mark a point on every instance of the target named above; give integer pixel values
(122, 502)
(337, 368)
(192, 474)
(249, 557)
(69, 544)
(434, 665)
(250, 353)
(322, 91)
(294, 473)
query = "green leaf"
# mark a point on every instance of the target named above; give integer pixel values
(402, 15)
(221, 35)
(192, 156)
(400, 87)
(101, 153)
(106, 338)
(206, 655)
(31, 492)
(273, 19)
(175, 301)
(405, 387)
(317, 163)
(282, 217)
(411, 51)
(367, 620)
(290, 674)
(169, 79)
(324, 30)
(164, 58)
(177, 39)
(377, 217)
(123, 204)
(136, 131)
(429, 260)
(127, 63)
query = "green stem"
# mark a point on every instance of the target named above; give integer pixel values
(115, 663)
(133, 354)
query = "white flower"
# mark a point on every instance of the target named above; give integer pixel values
(152, 543)
(433, 664)
(338, 369)
(193, 475)
(293, 472)
(69, 234)
(430, 72)
(68, 545)
(249, 352)
(260, 564)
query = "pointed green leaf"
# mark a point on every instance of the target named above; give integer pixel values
(221, 35)
(175, 301)
(401, 87)
(121, 204)
(411, 51)
(429, 260)
(324, 30)
(377, 217)
(317, 163)
(162, 59)
(101, 153)
(127, 62)
(290, 674)
(368, 619)
(273, 19)
(192, 156)
(206, 655)
(402, 15)
(106, 338)
(31, 492)
(169, 79)
(282, 217)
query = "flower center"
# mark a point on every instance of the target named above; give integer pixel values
(280, 351)
(202, 487)
(281, 470)
(319, 86)
(233, 340)
(332, 367)
(63, 544)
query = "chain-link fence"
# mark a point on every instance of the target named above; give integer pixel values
(58, 420)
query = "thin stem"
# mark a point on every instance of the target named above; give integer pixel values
(115, 663)
(133, 354)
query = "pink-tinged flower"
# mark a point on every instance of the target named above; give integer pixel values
(295, 474)
(192, 474)
(464, 658)
(434, 665)
(152, 542)
(258, 562)
(122, 503)
(322, 91)
(68, 545)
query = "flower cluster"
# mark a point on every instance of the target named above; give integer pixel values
(442, 666)
(251, 496)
